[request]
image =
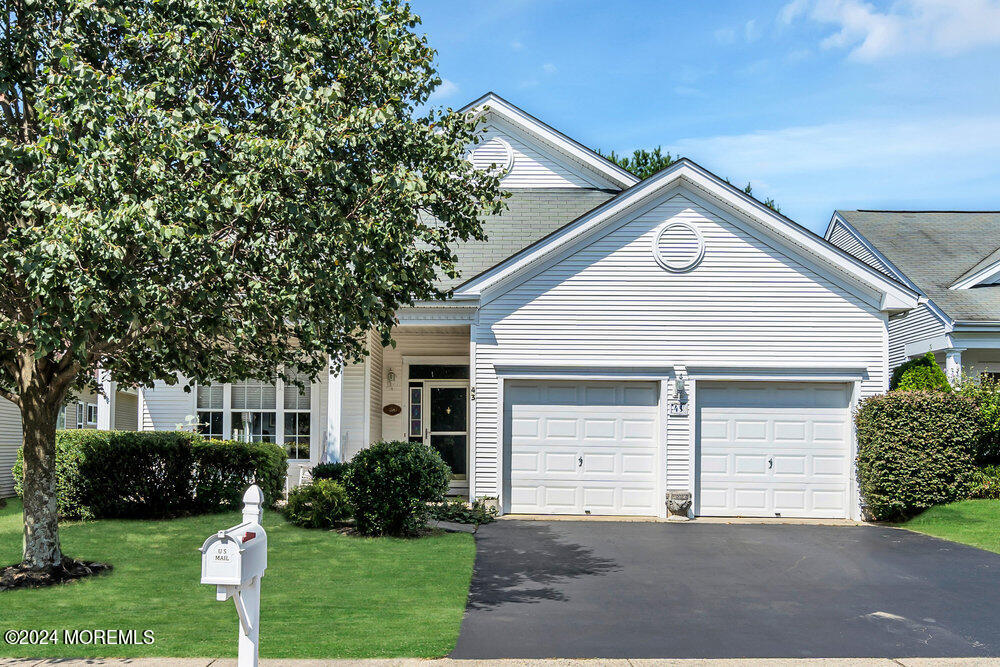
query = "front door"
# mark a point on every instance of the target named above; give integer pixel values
(446, 421)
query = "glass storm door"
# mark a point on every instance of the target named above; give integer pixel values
(447, 423)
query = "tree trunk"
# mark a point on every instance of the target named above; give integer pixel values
(41, 512)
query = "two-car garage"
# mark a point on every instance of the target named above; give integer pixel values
(760, 448)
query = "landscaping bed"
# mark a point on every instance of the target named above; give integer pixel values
(325, 594)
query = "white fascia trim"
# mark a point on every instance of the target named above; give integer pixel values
(437, 314)
(533, 369)
(779, 372)
(976, 325)
(977, 277)
(899, 275)
(896, 296)
(558, 140)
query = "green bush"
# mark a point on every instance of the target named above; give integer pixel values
(986, 483)
(457, 510)
(389, 485)
(986, 393)
(332, 471)
(919, 374)
(150, 475)
(915, 450)
(321, 504)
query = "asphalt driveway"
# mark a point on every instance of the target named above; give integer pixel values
(654, 590)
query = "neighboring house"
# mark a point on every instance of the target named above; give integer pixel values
(85, 410)
(952, 259)
(611, 342)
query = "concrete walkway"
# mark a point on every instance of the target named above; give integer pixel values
(769, 662)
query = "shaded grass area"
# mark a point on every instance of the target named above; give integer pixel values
(972, 522)
(325, 595)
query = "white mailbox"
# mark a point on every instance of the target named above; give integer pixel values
(235, 556)
(234, 561)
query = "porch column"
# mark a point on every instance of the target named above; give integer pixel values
(333, 452)
(106, 402)
(953, 364)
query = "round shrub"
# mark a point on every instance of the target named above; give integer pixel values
(321, 504)
(389, 485)
(157, 474)
(915, 450)
(919, 374)
(332, 471)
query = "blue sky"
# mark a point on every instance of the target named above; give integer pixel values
(821, 104)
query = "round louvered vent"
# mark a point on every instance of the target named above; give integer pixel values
(494, 153)
(678, 247)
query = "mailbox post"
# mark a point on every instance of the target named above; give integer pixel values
(234, 561)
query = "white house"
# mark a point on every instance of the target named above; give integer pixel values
(613, 341)
(950, 258)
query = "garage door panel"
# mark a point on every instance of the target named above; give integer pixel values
(773, 448)
(595, 449)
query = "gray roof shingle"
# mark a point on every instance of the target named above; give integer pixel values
(936, 248)
(531, 214)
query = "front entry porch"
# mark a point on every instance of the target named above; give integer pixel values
(418, 390)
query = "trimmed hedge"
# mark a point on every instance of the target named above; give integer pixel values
(318, 505)
(919, 374)
(331, 471)
(389, 485)
(915, 450)
(152, 475)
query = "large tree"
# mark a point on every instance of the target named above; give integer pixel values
(216, 188)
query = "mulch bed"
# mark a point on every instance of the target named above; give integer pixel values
(19, 576)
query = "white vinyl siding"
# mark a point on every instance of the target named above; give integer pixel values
(918, 324)
(747, 304)
(126, 412)
(10, 442)
(352, 425)
(166, 407)
(536, 168)
(845, 239)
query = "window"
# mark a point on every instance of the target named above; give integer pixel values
(989, 376)
(439, 372)
(81, 417)
(209, 403)
(416, 411)
(296, 405)
(91, 414)
(61, 419)
(255, 411)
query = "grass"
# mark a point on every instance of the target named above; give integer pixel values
(972, 522)
(325, 595)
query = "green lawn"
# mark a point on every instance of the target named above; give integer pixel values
(972, 522)
(325, 595)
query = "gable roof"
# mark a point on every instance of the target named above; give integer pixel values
(896, 296)
(553, 139)
(941, 253)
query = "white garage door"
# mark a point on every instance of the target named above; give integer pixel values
(581, 447)
(773, 449)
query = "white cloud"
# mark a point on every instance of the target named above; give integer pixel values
(750, 31)
(447, 89)
(943, 27)
(868, 144)
(516, 45)
(549, 68)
